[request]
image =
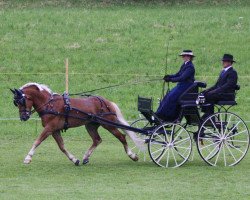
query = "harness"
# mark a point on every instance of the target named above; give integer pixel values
(68, 108)
(20, 99)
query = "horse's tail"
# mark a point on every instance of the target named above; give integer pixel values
(138, 142)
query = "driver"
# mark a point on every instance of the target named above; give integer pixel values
(168, 110)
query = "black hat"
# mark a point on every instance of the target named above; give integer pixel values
(228, 57)
(187, 53)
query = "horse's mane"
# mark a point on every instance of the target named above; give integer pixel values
(41, 87)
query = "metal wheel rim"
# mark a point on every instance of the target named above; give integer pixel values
(229, 146)
(170, 150)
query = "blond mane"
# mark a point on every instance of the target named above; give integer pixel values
(41, 87)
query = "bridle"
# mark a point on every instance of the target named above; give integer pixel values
(20, 100)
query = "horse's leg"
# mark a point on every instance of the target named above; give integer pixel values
(59, 140)
(37, 142)
(122, 139)
(92, 130)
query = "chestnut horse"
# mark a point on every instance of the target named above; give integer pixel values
(51, 108)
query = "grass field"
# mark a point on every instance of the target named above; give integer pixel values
(109, 43)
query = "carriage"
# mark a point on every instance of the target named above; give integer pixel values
(222, 138)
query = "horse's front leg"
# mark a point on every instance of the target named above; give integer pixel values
(59, 140)
(38, 141)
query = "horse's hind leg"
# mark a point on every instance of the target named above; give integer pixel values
(59, 140)
(122, 139)
(92, 130)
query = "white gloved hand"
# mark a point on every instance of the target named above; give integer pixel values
(200, 99)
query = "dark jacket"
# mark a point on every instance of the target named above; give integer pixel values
(185, 74)
(226, 83)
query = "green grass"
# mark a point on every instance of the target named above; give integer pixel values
(108, 43)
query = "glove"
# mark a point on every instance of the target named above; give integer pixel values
(166, 78)
(200, 99)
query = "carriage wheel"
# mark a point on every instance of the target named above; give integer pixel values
(140, 123)
(170, 145)
(223, 139)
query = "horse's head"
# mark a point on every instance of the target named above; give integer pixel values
(28, 96)
(23, 102)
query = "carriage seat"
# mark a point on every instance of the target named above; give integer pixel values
(188, 98)
(229, 103)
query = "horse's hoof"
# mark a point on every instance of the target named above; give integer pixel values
(27, 161)
(77, 163)
(136, 158)
(85, 161)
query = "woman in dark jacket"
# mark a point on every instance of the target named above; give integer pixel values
(168, 110)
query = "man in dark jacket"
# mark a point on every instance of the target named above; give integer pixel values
(168, 110)
(225, 86)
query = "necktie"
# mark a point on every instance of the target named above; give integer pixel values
(222, 73)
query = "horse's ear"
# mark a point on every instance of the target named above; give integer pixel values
(13, 91)
(18, 92)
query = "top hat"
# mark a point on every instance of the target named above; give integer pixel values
(228, 57)
(187, 53)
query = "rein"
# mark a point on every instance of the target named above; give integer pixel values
(37, 110)
(113, 86)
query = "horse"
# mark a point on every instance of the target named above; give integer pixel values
(51, 107)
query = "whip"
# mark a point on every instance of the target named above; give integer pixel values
(166, 69)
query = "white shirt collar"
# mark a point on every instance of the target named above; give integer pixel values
(186, 62)
(227, 68)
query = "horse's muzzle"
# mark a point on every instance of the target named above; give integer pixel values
(25, 116)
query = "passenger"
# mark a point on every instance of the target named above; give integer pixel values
(168, 109)
(224, 88)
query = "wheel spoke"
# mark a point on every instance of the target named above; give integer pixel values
(224, 155)
(158, 150)
(182, 147)
(167, 158)
(171, 136)
(218, 155)
(212, 152)
(209, 145)
(221, 126)
(233, 128)
(207, 139)
(176, 164)
(161, 138)
(210, 131)
(158, 159)
(214, 126)
(230, 152)
(229, 121)
(181, 141)
(180, 154)
(139, 151)
(237, 133)
(133, 148)
(242, 141)
(158, 142)
(232, 146)
(177, 135)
